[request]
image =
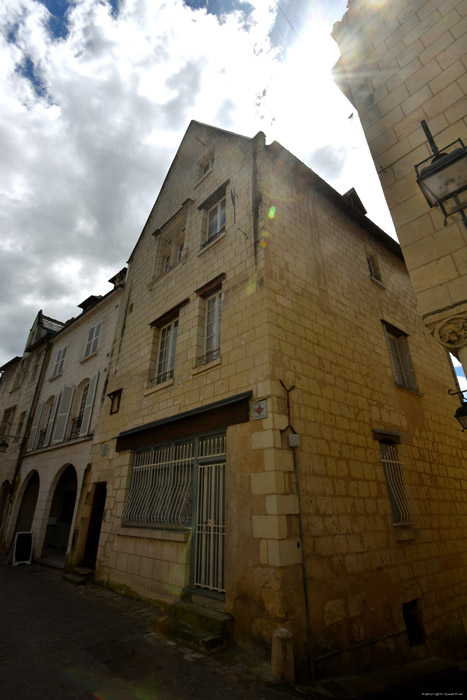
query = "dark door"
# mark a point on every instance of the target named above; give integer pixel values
(95, 524)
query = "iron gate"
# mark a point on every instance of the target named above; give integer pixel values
(208, 570)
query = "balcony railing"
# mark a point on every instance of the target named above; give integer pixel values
(164, 377)
(75, 427)
(41, 440)
(208, 357)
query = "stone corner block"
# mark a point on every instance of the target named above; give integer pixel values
(284, 552)
(269, 526)
(282, 504)
(263, 483)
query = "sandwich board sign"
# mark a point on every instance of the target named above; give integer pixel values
(22, 548)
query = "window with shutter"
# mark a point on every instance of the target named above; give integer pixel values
(35, 425)
(59, 361)
(63, 414)
(400, 357)
(87, 413)
(93, 339)
(50, 422)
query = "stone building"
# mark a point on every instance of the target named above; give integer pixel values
(278, 411)
(403, 62)
(57, 453)
(20, 385)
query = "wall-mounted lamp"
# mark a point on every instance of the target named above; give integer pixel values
(461, 413)
(4, 444)
(442, 177)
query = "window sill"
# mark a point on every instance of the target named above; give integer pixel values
(409, 389)
(161, 275)
(88, 357)
(209, 245)
(207, 366)
(58, 445)
(405, 534)
(56, 376)
(155, 534)
(159, 387)
(202, 178)
(378, 281)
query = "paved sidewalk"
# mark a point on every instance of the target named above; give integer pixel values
(64, 642)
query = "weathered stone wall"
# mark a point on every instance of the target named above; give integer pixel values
(402, 62)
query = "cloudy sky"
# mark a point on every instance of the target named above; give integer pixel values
(95, 98)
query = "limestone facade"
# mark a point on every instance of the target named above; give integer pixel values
(56, 456)
(403, 62)
(20, 384)
(260, 304)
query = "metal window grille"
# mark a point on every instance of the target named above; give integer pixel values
(400, 495)
(161, 488)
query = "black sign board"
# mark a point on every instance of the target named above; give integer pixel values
(22, 548)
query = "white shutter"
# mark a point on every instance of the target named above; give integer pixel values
(85, 423)
(53, 413)
(63, 413)
(35, 425)
(97, 333)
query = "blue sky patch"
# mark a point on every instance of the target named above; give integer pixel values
(58, 23)
(28, 70)
(219, 7)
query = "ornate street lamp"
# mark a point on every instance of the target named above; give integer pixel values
(442, 177)
(461, 413)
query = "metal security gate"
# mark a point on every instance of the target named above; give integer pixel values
(208, 568)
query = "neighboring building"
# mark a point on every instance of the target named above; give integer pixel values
(403, 62)
(19, 389)
(58, 450)
(268, 326)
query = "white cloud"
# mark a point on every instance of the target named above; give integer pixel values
(87, 142)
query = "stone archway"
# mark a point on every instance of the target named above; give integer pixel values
(28, 504)
(60, 517)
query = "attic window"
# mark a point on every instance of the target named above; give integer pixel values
(205, 165)
(373, 267)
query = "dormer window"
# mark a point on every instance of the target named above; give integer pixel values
(373, 267)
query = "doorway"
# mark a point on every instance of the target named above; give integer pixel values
(28, 505)
(95, 524)
(60, 518)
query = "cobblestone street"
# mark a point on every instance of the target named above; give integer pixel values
(61, 641)
(66, 642)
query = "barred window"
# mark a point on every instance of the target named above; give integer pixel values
(400, 496)
(161, 487)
